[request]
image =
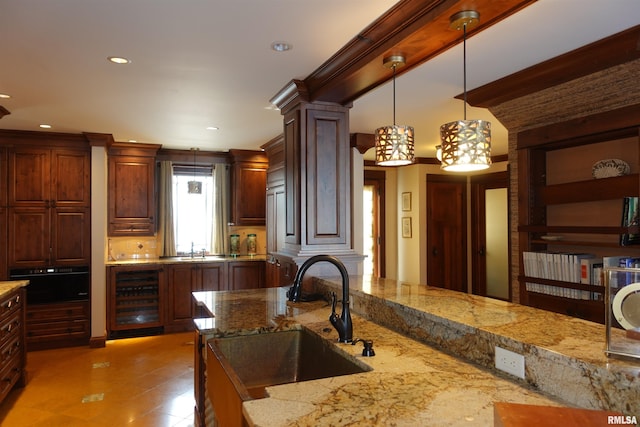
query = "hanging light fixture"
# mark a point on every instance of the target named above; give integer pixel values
(195, 187)
(394, 144)
(466, 144)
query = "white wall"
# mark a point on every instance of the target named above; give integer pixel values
(98, 242)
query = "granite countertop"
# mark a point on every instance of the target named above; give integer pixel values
(413, 383)
(185, 259)
(8, 286)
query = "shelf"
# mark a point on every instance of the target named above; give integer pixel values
(578, 229)
(591, 190)
(560, 284)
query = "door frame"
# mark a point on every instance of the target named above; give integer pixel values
(479, 184)
(377, 178)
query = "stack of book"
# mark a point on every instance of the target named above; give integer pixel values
(563, 267)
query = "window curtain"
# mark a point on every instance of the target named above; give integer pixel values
(219, 230)
(167, 240)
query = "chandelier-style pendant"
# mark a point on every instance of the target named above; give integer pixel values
(394, 145)
(466, 145)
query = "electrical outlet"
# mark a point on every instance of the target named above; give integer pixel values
(510, 362)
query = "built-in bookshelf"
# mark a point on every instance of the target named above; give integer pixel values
(566, 215)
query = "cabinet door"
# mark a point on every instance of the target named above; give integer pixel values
(246, 275)
(182, 279)
(275, 221)
(212, 277)
(4, 274)
(29, 177)
(70, 178)
(248, 197)
(70, 236)
(131, 196)
(29, 230)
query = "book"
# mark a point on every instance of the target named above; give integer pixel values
(630, 219)
(587, 266)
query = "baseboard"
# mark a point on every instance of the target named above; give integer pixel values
(98, 342)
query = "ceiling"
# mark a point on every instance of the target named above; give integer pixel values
(201, 63)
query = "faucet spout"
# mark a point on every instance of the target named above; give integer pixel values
(342, 324)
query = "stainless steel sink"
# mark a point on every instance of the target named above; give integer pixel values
(239, 368)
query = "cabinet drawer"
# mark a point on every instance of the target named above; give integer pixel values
(10, 305)
(10, 350)
(61, 329)
(10, 374)
(56, 312)
(131, 228)
(10, 328)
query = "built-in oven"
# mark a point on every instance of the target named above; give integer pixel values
(54, 284)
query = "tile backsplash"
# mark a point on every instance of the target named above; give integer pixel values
(147, 248)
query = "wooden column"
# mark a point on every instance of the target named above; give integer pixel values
(317, 174)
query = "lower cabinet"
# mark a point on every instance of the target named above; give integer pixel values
(184, 279)
(60, 324)
(246, 275)
(153, 298)
(280, 272)
(13, 356)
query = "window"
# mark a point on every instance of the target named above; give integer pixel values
(193, 213)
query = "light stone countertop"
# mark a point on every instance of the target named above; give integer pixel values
(8, 286)
(185, 259)
(413, 383)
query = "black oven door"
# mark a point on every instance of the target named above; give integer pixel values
(51, 285)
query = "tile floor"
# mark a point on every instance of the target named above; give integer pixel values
(130, 382)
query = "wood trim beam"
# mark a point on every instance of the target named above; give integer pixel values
(417, 29)
(611, 51)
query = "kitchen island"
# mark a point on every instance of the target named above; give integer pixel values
(428, 380)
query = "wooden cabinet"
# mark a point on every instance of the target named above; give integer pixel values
(559, 197)
(135, 298)
(249, 178)
(275, 195)
(58, 324)
(13, 356)
(246, 275)
(186, 278)
(49, 207)
(4, 175)
(158, 297)
(280, 271)
(131, 182)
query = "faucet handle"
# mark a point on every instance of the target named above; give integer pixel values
(367, 351)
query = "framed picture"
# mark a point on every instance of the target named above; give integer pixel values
(406, 201)
(406, 226)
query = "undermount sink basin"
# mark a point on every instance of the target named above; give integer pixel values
(202, 259)
(239, 368)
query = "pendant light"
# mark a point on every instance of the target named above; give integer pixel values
(394, 144)
(466, 144)
(195, 187)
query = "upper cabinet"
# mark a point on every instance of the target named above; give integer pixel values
(45, 177)
(131, 185)
(249, 182)
(48, 199)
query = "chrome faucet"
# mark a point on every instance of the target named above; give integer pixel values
(342, 324)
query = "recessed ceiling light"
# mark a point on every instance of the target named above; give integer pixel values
(281, 46)
(4, 96)
(45, 126)
(119, 60)
(212, 128)
(132, 140)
